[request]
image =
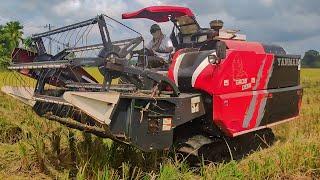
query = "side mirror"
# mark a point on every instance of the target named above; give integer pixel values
(221, 49)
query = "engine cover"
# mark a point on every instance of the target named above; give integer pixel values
(250, 89)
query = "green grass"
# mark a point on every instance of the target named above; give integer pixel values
(48, 150)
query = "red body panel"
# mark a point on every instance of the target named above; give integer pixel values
(19, 55)
(245, 46)
(238, 85)
(159, 13)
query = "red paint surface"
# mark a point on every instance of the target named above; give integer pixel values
(159, 13)
(245, 46)
(24, 56)
(19, 55)
(231, 100)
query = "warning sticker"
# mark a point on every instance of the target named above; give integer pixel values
(226, 82)
(195, 104)
(167, 124)
(253, 80)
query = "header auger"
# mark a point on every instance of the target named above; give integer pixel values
(217, 88)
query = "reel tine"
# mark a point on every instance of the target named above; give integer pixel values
(54, 79)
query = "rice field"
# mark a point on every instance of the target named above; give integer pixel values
(33, 147)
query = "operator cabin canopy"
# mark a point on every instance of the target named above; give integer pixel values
(159, 13)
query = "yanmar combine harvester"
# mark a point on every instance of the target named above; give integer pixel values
(218, 90)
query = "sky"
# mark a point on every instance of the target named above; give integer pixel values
(293, 24)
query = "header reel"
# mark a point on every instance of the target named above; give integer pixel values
(76, 81)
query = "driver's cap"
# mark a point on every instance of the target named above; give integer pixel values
(154, 28)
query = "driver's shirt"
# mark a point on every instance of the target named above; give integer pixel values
(165, 44)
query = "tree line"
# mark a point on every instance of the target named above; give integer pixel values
(311, 59)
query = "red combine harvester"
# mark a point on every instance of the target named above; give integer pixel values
(218, 90)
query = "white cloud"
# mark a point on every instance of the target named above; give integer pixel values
(301, 46)
(145, 3)
(3, 20)
(88, 8)
(267, 3)
(67, 7)
(29, 30)
(288, 22)
(35, 25)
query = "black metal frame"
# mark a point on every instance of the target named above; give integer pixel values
(112, 65)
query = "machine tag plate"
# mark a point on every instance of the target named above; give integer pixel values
(195, 103)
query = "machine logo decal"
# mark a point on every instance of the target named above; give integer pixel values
(288, 61)
(237, 68)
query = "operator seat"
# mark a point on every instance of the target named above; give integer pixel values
(174, 39)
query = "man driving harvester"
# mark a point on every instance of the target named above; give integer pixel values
(158, 49)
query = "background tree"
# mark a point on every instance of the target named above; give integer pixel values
(13, 30)
(10, 37)
(311, 59)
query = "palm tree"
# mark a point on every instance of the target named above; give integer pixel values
(13, 31)
(10, 37)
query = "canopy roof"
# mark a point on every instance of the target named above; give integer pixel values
(159, 13)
